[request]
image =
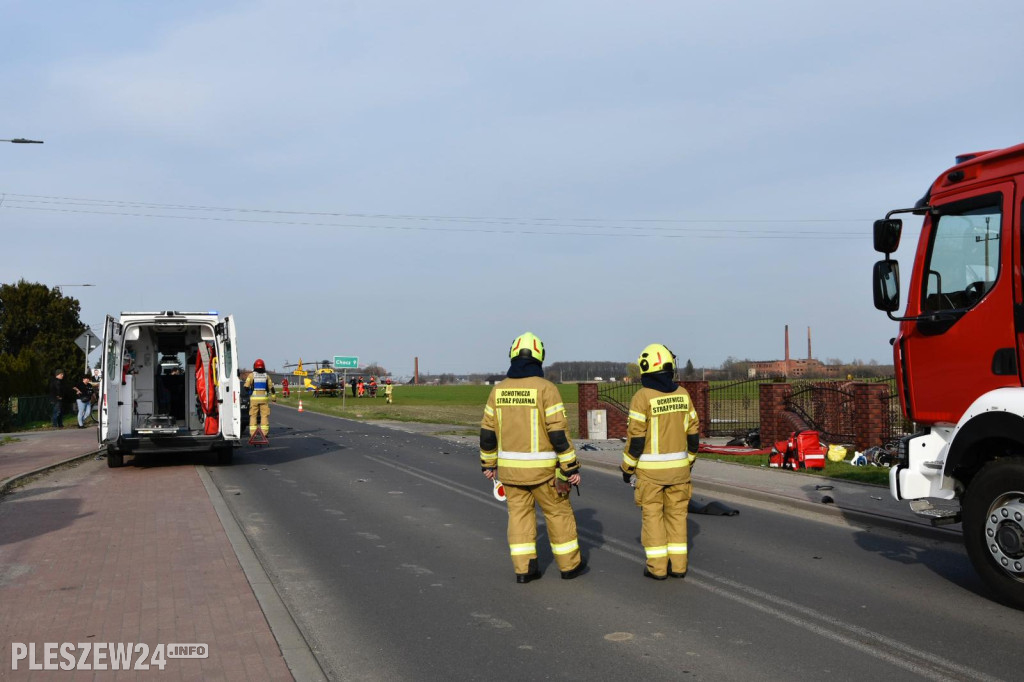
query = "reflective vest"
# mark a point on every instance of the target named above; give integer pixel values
(522, 412)
(663, 420)
(262, 386)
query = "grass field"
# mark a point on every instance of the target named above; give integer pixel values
(841, 470)
(462, 406)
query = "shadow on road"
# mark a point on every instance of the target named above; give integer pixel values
(27, 519)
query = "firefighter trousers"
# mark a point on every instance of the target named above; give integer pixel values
(522, 525)
(259, 409)
(663, 533)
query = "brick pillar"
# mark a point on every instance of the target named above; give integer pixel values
(587, 400)
(772, 403)
(700, 392)
(869, 414)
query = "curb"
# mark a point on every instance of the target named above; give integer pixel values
(298, 655)
(8, 483)
(861, 519)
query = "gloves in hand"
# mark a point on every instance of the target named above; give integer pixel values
(626, 477)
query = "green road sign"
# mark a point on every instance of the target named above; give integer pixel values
(345, 362)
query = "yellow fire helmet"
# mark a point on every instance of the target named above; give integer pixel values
(527, 344)
(656, 358)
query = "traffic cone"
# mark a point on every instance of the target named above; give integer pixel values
(300, 404)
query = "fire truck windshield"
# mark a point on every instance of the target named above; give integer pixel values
(963, 257)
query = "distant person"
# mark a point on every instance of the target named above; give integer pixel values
(284, 387)
(388, 389)
(662, 439)
(56, 393)
(260, 387)
(353, 382)
(524, 441)
(373, 387)
(360, 388)
(83, 396)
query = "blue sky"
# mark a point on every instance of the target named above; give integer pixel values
(431, 179)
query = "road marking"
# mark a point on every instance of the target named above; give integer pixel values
(926, 664)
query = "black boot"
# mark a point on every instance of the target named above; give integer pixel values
(677, 574)
(575, 572)
(648, 574)
(533, 573)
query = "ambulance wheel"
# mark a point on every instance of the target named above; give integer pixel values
(115, 459)
(993, 524)
(225, 456)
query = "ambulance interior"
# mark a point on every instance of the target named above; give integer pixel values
(160, 373)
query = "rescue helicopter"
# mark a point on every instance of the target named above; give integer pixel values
(321, 381)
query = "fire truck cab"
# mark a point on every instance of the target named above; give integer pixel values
(959, 359)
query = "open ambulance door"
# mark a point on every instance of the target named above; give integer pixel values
(230, 389)
(110, 385)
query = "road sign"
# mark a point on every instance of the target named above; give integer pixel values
(87, 341)
(345, 362)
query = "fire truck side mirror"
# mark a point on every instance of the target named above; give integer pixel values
(886, 285)
(887, 234)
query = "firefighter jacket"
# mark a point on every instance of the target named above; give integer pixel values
(525, 432)
(656, 437)
(260, 385)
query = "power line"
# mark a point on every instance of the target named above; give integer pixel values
(641, 227)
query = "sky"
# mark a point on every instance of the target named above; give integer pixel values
(392, 180)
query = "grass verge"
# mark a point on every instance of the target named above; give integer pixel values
(841, 470)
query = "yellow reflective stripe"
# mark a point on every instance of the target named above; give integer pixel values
(628, 460)
(523, 548)
(677, 549)
(488, 410)
(565, 547)
(527, 463)
(511, 454)
(499, 430)
(488, 456)
(674, 464)
(653, 552)
(639, 416)
(690, 459)
(654, 436)
(663, 457)
(567, 456)
(553, 409)
(534, 438)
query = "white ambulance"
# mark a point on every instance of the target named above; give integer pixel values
(170, 382)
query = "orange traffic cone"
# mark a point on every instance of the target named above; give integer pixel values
(300, 404)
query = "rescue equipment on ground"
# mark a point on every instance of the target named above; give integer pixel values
(499, 491)
(206, 394)
(836, 453)
(802, 450)
(258, 438)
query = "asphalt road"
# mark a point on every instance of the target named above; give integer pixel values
(389, 551)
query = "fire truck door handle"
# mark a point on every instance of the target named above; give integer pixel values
(1004, 362)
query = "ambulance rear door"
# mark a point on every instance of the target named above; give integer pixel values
(230, 407)
(110, 385)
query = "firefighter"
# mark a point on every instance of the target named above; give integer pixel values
(661, 446)
(524, 441)
(261, 389)
(284, 387)
(388, 389)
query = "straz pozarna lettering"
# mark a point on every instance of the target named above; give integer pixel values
(516, 397)
(671, 403)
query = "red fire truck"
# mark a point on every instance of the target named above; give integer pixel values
(959, 357)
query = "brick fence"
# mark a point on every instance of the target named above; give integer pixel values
(869, 411)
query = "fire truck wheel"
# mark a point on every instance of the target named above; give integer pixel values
(115, 459)
(993, 523)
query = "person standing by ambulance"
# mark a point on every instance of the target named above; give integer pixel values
(662, 439)
(261, 389)
(524, 441)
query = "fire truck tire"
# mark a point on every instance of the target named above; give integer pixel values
(993, 526)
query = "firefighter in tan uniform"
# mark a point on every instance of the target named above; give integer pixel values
(261, 389)
(524, 441)
(661, 446)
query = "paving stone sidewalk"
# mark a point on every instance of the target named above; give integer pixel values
(136, 554)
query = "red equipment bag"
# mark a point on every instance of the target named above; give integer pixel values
(809, 450)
